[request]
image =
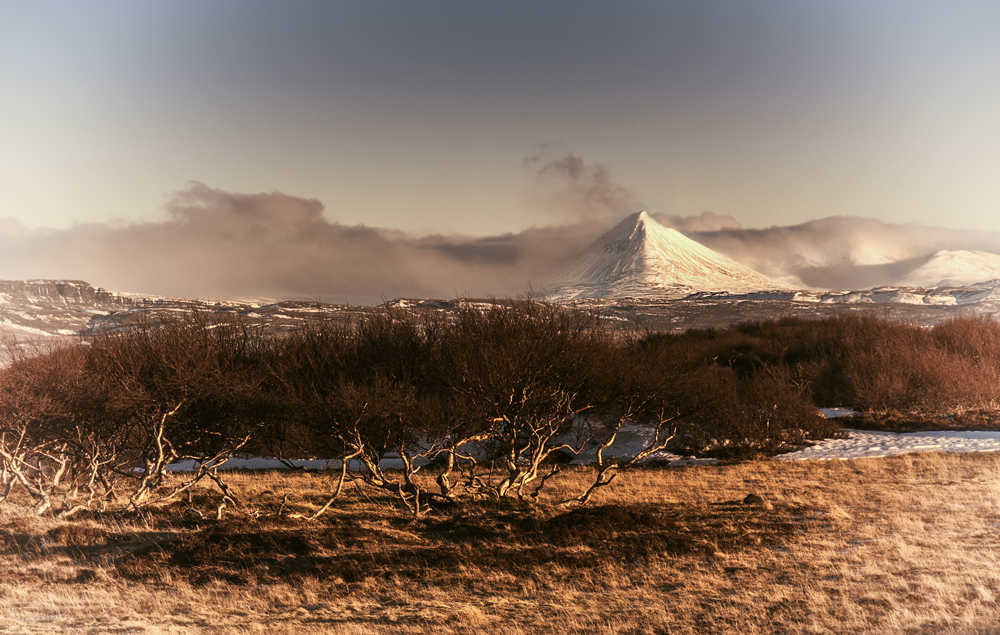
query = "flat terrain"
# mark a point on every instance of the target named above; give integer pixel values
(894, 545)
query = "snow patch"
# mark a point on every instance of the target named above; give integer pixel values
(866, 444)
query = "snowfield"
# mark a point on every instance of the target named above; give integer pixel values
(859, 444)
(866, 444)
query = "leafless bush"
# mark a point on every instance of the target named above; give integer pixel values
(110, 415)
(524, 372)
(186, 388)
(862, 361)
(491, 396)
(53, 440)
(763, 413)
(366, 390)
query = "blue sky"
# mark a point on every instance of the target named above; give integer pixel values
(419, 116)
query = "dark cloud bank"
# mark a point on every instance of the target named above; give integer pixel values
(221, 245)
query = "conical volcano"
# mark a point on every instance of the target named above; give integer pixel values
(643, 259)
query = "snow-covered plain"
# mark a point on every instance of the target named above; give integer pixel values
(869, 444)
(866, 444)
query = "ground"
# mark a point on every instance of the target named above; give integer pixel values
(893, 545)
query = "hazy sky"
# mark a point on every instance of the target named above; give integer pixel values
(440, 116)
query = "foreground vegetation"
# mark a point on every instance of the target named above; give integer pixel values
(899, 545)
(482, 525)
(499, 397)
(495, 399)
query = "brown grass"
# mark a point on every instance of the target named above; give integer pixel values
(899, 545)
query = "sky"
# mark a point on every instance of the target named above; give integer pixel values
(490, 119)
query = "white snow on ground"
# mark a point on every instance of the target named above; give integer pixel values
(256, 463)
(866, 444)
(836, 413)
(859, 444)
(631, 440)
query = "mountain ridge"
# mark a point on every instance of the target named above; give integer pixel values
(954, 268)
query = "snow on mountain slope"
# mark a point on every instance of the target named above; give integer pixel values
(641, 258)
(954, 268)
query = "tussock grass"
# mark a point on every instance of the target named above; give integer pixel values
(899, 545)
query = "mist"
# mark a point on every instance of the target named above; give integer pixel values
(842, 252)
(222, 245)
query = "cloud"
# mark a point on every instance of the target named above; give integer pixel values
(704, 222)
(842, 251)
(569, 188)
(224, 245)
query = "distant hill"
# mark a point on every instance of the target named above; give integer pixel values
(34, 309)
(954, 268)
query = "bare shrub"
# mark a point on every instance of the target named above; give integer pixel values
(185, 388)
(53, 434)
(975, 340)
(863, 361)
(524, 373)
(763, 413)
(363, 390)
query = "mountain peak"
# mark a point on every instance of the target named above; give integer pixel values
(639, 257)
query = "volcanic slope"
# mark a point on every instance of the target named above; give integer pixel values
(640, 258)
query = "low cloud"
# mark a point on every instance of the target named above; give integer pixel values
(224, 245)
(704, 222)
(842, 251)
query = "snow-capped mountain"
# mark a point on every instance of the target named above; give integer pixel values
(954, 268)
(641, 258)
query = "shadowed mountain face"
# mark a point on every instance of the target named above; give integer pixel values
(641, 258)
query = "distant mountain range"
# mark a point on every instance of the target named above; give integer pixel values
(641, 258)
(844, 252)
(639, 271)
(954, 268)
(34, 311)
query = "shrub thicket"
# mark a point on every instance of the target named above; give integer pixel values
(110, 414)
(494, 398)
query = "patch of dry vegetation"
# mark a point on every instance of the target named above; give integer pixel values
(496, 394)
(865, 361)
(484, 528)
(901, 545)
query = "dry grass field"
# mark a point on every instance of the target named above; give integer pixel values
(899, 545)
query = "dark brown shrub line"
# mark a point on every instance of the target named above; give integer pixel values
(484, 397)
